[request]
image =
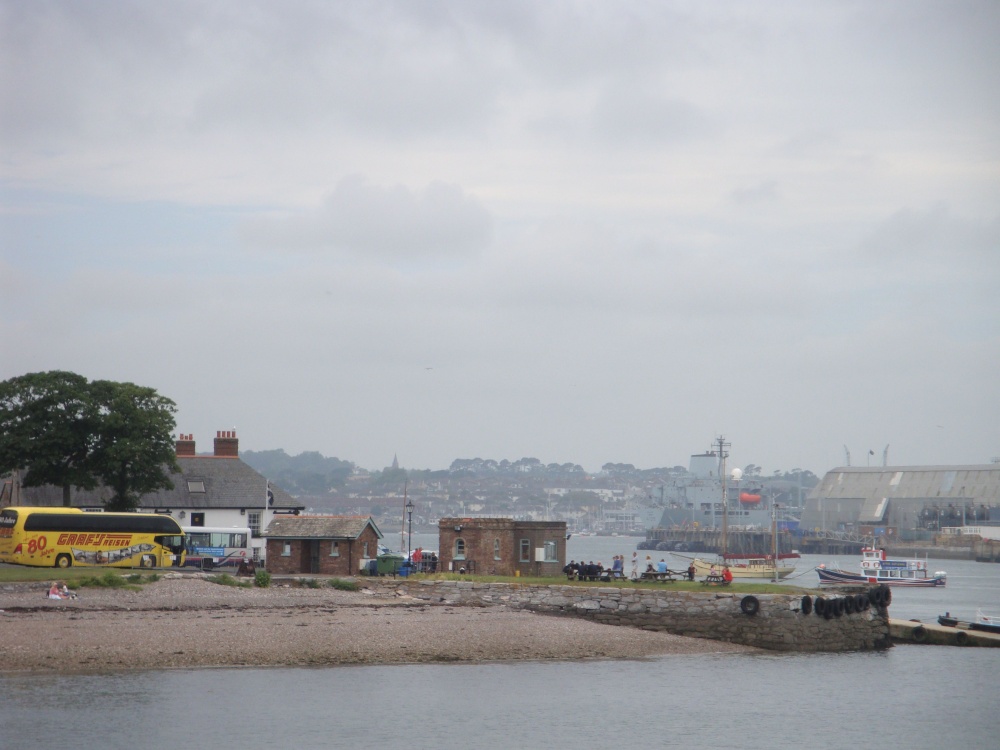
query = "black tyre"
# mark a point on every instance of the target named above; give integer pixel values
(64, 561)
(886, 596)
(874, 597)
(838, 607)
(920, 634)
(807, 604)
(848, 605)
(860, 603)
(750, 605)
(962, 638)
(820, 606)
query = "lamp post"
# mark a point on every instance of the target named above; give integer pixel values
(409, 539)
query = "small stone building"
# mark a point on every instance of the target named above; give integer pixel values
(502, 546)
(321, 545)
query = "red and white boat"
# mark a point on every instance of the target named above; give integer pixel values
(876, 568)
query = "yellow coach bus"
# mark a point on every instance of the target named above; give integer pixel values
(63, 537)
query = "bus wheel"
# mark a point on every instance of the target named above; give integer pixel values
(63, 561)
(146, 561)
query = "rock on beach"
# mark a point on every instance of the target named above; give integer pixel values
(187, 621)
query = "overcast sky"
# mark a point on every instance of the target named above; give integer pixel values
(576, 231)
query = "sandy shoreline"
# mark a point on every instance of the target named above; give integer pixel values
(189, 622)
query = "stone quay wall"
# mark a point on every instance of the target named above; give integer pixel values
(778, 624)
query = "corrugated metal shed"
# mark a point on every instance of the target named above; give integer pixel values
(896, 494)
(978, 484)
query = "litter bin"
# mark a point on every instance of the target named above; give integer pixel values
(404, 569)
(389, 564)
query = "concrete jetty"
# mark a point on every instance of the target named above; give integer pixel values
(913, 631)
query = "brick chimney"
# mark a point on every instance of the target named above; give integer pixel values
(185, 445)
(226, 444)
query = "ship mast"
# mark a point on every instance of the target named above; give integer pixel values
(722, 445)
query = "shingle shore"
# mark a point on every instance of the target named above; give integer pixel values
(190, 622)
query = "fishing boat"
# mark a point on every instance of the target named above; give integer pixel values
(876, 568)
(771, 566)
(745, 567)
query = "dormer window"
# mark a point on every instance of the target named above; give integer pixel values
(197, 486)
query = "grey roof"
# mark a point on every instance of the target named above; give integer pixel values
(319, 527)
(978, 483)
(227, 482)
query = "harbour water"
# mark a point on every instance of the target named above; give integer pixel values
(910, 697)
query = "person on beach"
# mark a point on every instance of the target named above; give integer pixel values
(55, 593)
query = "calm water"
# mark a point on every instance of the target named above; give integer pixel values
(910, 697)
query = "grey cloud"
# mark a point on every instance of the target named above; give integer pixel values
(439, 221)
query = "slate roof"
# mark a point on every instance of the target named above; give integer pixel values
(319, 527)
(227, 482)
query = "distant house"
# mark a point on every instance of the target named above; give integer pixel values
(502, 546)
(323, 545)
(217, 489)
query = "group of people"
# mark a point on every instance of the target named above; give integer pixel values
(726, 575)
(591, 571)
(59, 590)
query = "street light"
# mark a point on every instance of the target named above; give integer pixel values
(409, 540)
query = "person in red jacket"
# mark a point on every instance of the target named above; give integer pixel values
(727, 574)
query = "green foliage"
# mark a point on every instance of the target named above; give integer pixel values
(310, 583)
(109, 579)
(262, 579)
(62, 430)
(344, 585)
(47, 421)
(224, 579)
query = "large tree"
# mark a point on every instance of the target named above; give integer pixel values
(57, 428)
(133, 452)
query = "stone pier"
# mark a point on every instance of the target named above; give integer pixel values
(771, 621)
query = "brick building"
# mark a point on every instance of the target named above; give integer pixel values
(502, 546)
(322, 545)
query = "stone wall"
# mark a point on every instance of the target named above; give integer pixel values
(779, 623)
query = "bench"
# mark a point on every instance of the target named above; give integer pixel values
(716, 580)
(663, 576)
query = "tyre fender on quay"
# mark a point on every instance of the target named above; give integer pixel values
(838, 607)
(861, 603)
(819, 606)
(807, 604)
(849, 608)
(750, 605)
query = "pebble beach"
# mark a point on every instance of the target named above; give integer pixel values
(188, 621)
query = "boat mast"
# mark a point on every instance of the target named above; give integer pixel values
(722, 445)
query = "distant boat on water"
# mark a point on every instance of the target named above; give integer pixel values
(876, 568)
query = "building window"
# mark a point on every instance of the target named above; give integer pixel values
(550, 552)
(364, 550)
(197, 519)
(286, 549)
(196, 486)
(496, 549)
(459, 549)
(525, 550)
(253, 521)
(334, 549)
